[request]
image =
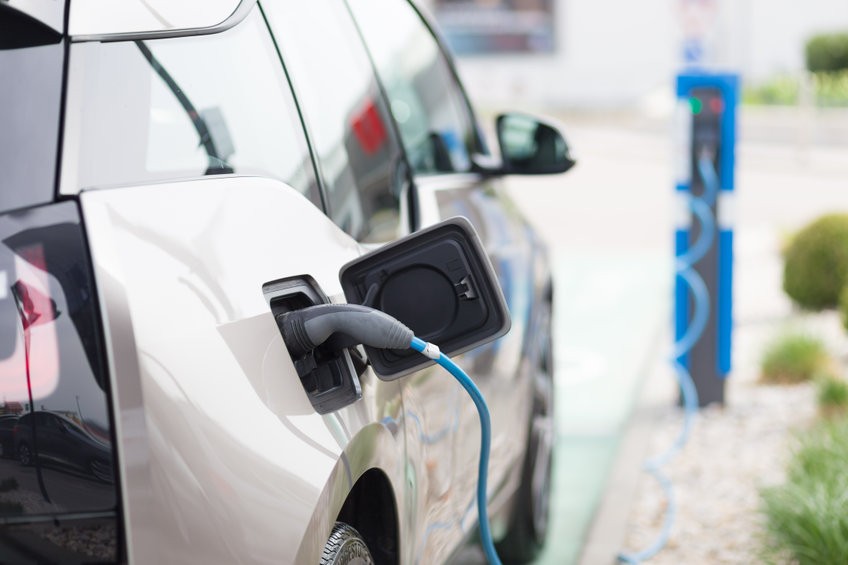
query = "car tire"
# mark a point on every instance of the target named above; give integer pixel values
(25, 455)
(528, 524)
(345, 546)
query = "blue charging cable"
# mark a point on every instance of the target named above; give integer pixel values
(684, 269)
(431, 351)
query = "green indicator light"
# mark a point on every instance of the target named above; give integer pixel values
(696, 104)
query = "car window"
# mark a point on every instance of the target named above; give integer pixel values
(345, 113)
(186, 107)
(31, 61)
(59, 499)
(435, 123)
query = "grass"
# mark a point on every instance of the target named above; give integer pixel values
(829, 90)
(807, 517)
(843, 307)
(832, 395)
(782, 90)
(793, 358)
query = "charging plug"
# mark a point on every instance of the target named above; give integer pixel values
(304, 330)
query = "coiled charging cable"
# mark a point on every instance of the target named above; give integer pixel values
(684, 269)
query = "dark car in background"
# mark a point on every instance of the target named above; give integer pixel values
(7, 438)
(63, 443)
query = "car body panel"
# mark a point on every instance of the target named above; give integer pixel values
(221, 452)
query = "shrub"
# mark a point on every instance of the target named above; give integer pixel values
(808, 515)
(832, 88)
(827, 52)
(816, 263)
(843, 307)
(832, 394)
(793, 358)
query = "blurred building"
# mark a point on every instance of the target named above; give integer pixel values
(613, 53)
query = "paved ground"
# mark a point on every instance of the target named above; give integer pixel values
(604, 349)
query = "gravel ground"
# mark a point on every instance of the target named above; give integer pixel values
(733, 453)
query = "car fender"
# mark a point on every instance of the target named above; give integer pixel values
(375, 446)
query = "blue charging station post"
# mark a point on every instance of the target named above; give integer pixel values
(707, 105)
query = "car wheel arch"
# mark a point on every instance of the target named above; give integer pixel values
(363, 491)
(370, 507)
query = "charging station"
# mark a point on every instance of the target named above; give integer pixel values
(706, 142)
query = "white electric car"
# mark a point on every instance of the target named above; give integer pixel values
(167, 171)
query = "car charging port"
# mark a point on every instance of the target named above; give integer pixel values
(328, 373)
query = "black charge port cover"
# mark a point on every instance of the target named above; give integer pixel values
(440, 283)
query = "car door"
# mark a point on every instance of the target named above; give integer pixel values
(197, 188)
(441, 138)
(362, 160)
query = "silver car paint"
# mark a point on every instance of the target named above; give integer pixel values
(222, 458)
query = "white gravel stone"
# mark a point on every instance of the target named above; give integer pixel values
(732, 454)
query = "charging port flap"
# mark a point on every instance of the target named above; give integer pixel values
(438, 282)
(327, 372)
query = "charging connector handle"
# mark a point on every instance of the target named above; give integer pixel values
(306, 329)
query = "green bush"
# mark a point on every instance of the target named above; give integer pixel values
(831, 88)
(793, 358)
(832, 395)
(827, 52)
(816, 263)
(808, 515)
(843, 307)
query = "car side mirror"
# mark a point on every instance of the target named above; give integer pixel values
(531, 147)
(439, 283)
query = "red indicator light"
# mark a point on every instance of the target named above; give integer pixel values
(716, 105)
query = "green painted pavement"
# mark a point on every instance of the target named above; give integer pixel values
(610, 311)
